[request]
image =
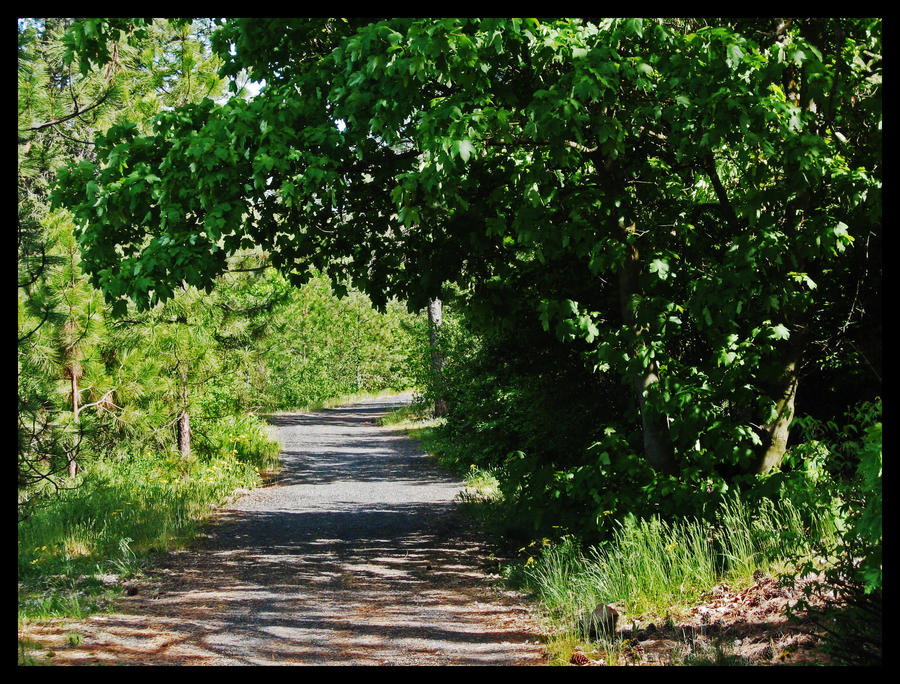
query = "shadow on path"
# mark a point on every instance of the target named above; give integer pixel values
(357, 555)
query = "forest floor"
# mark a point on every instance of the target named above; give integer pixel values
(357, 554)
(728, 627)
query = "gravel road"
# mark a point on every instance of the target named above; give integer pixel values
(356, 555)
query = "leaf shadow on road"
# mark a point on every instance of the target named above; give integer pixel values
(358, 555)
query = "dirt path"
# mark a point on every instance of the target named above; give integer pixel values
(357, 555)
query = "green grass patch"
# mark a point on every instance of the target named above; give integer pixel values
(409, 416)
(341, 400)
(246, 438)
(118, 514)
(654, 568)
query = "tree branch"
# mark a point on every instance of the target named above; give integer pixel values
(75, 140)
(722, 196)
(38, 327)
(77, 112)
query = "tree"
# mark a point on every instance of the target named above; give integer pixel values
(62, 319)
(715, 180)
(435, 323)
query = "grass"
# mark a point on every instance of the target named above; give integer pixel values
(653, 568)
(342, 400)
(76, 548)
(411, 416)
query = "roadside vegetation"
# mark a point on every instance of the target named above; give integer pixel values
(816, 533)
(132, 429)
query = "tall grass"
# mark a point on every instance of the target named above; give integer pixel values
(150, 503)
(120, 510)
(655, 567)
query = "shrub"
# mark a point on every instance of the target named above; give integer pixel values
(851, 588)
(247, 438)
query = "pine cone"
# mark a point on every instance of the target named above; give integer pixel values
(579, 659)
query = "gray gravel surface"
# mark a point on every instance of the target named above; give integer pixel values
(355, 555)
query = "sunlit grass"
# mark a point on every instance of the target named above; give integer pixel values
(247, 439)
(119, 513)
(654, 568)
(410, 416)
(342, 400)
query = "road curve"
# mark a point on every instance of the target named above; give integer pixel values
(356, 555)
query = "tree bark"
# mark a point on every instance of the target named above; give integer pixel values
(184, 434)
(74, 372)
(435, 321)
(658, 449)
(184, 419)
(775, 433)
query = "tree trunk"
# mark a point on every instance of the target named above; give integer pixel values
(184, 420)
(184, 434)
(357, 356)
(658, 449)
(774, 434)
(435, 321)
(74, 373)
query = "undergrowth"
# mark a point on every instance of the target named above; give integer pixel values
(648, 567)
(654, 568)
(76, 547)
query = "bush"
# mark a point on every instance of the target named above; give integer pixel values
(246, 438)
(851, 589)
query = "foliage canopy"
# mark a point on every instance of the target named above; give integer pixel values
(694, 206)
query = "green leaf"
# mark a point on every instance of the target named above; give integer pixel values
(660, 268)
(803, 278)
(635, 26)
(779, 332)
(734, 55)
(464, 148)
